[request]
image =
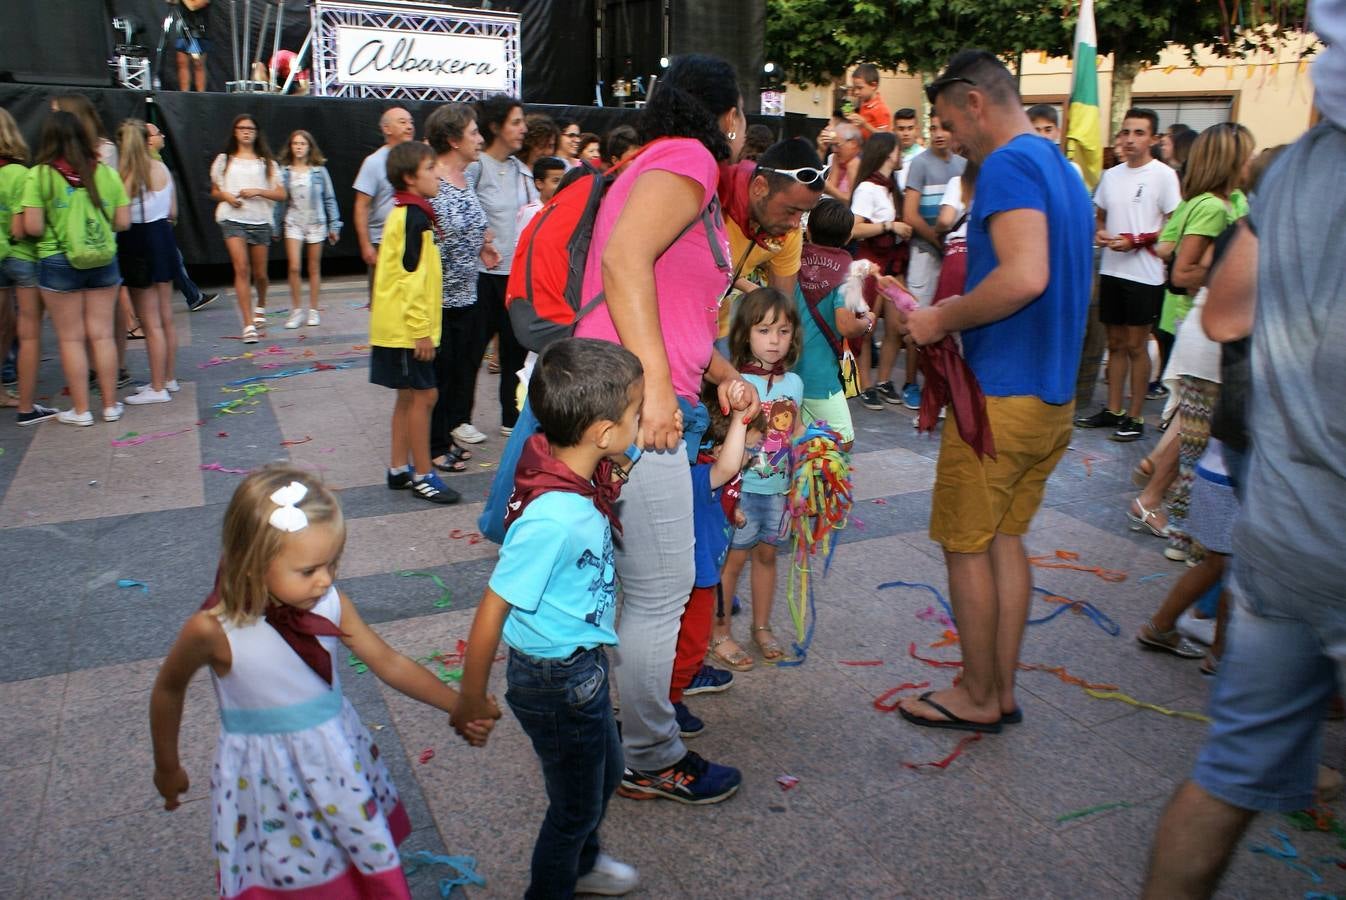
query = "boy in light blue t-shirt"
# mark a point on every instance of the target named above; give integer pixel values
(552, 596)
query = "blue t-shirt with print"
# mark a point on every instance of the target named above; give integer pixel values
(818, 365)
(710, 526)
(556, 573)
(1036, 351)
(768, 470)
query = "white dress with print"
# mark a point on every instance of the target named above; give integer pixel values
(302, 806)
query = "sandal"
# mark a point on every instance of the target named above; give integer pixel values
(737, 659)
(1152, 638)
(1210, 665)
(1142, 521)
(451, 464)
(136, 334)
(1142, 472)
(771, 648)
(458, 451)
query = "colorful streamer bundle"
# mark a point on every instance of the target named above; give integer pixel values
(818, 506)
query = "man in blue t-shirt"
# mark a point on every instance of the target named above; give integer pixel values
(1022, 318)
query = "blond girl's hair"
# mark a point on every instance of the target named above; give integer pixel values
(1215, 162)
(134, 161)
(12, 144)
(758, 306)
(250, 542)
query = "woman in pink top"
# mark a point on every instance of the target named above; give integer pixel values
(660, 254)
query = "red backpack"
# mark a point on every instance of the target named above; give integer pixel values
(544, 291)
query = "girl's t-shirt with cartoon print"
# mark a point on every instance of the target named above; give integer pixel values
(768, 470)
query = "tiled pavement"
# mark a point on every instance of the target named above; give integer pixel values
(78, 655)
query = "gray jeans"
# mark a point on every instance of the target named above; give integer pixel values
(656, 568)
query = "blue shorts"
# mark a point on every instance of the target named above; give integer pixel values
(15, 272)
(1282, 659)
(55, 274)
(398, 368)
(764, 526)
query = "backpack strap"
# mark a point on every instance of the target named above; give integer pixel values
(829, 333)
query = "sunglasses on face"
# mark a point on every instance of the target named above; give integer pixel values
(805, 175)
(940, 84)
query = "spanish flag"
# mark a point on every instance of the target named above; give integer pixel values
(1084, 133)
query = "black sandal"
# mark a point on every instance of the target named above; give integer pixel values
(455, 460)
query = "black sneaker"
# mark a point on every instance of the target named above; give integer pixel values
(1129, 430)
(123, 377)
(41, 414)
(1156, 391)
(1104, 418)
(869, 399)
(205, 300)
(888, 394)
(429, 487)
(709, 680)
(399, 481)
(689, 726)
(691, 780)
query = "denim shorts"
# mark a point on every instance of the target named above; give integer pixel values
(15, 272)
(764, 526)
(55, 274)
(1283, 656)
(255, 235)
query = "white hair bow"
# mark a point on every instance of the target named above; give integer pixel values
(287, 516)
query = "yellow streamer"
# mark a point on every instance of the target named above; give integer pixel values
(1140, 704)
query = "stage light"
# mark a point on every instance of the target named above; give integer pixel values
(663, 62)
(769, 68)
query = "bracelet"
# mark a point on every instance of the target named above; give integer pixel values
(869, 328)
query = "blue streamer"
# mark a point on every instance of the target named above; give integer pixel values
(1094, 613)
(289, 373)
(465, 866)
(802, 650)
(1286, 854)
(132, 583)
(948, 610)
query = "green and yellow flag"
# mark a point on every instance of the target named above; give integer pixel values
(1084, 132)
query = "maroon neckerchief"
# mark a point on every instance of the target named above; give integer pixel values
(407, 198)
(538, 473)
(733, 192)
(770, 374)
(299, 629)
(821, 271)
(4, 161)
(950, 381)
(67, 172)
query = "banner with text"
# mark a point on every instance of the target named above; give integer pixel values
(393, 57)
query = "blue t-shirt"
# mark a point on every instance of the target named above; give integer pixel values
(711, 527)
(556, 573)
(1036, 351)
(768, 469)
(818, 365)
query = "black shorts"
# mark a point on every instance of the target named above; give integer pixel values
(398, 368)
(1125, 302)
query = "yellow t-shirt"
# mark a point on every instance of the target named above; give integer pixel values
(747, 257)
(406, 302)
(47, 189)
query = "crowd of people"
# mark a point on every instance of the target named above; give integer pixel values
(724, 331)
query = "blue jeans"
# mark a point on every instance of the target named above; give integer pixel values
(183, 282)
(564, 708)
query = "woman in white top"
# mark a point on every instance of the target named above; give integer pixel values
(308, 217)
(245, 182)
(148, 256)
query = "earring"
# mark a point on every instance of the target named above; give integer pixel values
(730, 135)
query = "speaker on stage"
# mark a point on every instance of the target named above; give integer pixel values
(734, 31)
(42, 46)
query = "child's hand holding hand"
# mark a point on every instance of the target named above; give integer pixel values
(474, 718)
(170, 783)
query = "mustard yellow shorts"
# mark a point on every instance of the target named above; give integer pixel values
(974, 499)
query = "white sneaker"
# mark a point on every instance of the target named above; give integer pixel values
(148, 395)
(295, 319)
(467, 434)
(259, 315)
(172, 386)
(313, 317)
(70, 417)
(250, 334)
(113, 413)
(1203, 630)
(608, 878)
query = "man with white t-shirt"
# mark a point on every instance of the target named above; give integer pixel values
(373, 192)
(1133, 201)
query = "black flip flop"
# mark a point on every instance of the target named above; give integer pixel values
(1010, 718)
(950, 721)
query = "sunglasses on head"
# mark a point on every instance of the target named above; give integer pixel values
(940, 84)
(806, 175)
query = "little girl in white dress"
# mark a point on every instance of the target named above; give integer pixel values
(299, 796)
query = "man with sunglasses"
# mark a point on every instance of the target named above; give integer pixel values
(764, 202)
(1029, 274)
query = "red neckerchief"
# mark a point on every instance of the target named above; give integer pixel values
(822, 270)
(4, 161)
(950, 381)
(67, 172)
(407, 198)
(538, 472)
(733, 191)
(299, 628)
(883, 181)
(1146, 239)
(770, 374)
(730, 491)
